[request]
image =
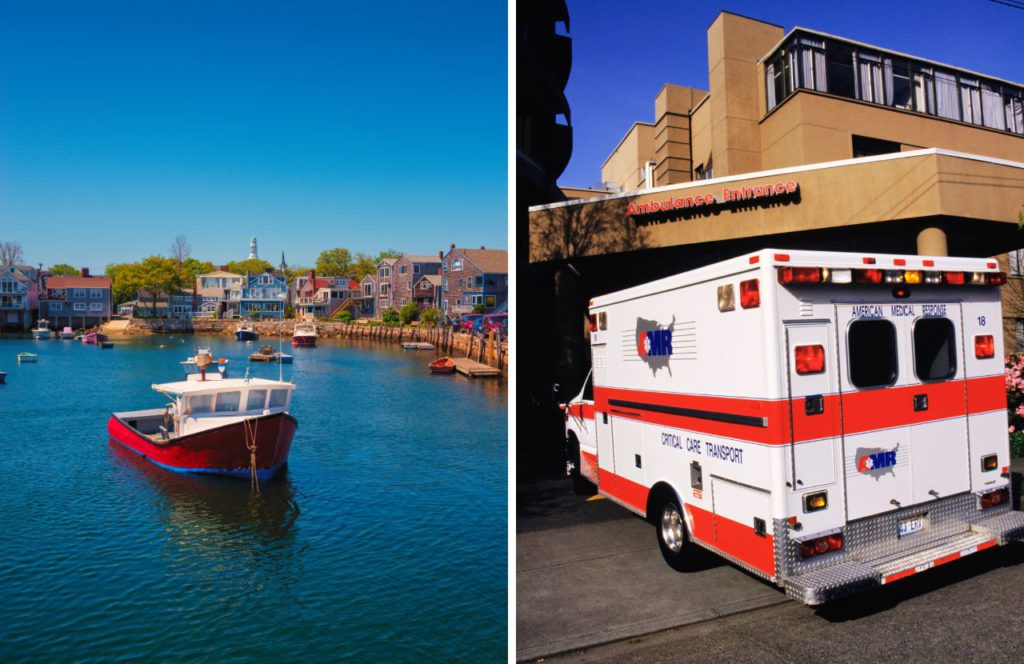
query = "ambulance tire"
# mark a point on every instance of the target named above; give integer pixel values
(673, 540)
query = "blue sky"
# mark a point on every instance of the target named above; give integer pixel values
(309, 125)
(623, 53)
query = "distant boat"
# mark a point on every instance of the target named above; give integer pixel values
(237, 427)
(26, 357)
(67, 333)
(106, 344)
(445, 365)
(304, 336)
(42, 330)
(246, 332)
(93, 338)
(3, 377)
(268, 354)
(417, 345)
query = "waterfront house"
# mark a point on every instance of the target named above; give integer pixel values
(178, 305)
(471, 277)
(19, 297)
(322, 297)
(76, 301)
(220, 293)
(369, 295)
(406, 272)
(263, 296)
(385, 270)
(426, 292)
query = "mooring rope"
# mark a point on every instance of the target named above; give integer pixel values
(250, 435)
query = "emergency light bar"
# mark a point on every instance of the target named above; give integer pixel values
(789, 275)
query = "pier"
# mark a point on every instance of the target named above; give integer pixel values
(474, 369)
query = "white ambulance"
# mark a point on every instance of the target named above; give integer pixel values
(828, 421)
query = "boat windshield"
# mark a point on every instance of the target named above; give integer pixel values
(278, 398)
(200, 403)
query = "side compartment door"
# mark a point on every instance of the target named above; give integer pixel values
(603, 425)
(813, 404)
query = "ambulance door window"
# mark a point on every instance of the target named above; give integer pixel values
(871, 345)
(934, 349)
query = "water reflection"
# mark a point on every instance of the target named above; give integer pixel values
(209, 515)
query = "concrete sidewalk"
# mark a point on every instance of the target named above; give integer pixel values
(589, 572)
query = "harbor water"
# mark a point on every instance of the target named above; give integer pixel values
(384, 539)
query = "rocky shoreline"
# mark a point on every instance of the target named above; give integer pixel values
(488, 350)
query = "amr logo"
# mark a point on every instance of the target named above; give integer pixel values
(654, 343)
(875, 461)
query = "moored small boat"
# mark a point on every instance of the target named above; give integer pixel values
(304, 335)
(67, 333)
(444, 365)
(27, 357)
(42, 330)
(106, 344)
(246, 332)
(93, 338)
(3, 377)
(268, 354)
(236, 427)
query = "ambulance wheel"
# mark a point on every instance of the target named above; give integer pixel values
(581, 486)
(672, 537)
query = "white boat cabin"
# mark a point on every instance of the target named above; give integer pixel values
(198, 405)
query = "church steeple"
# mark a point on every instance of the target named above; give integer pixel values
(283, 266)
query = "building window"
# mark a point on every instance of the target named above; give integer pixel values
(1016, 260)
(1019, 334)
(489, 300)
(95, 306)
(78, 292)
(6, 286)
(79, 306)
(456, 265)
(444, 284)
(403, 269)
(863, 146)
(384, 271)
(95, 292)
(416, 268)
(56, 306)
(478, 280)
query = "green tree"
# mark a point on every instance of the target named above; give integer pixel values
(190, 268)
(388, 253)
(390, 317)
(64, 270)
(125, 280)
(431, 316)
(159, 275)
(254, 265)
(333, 262)
(345, 316)
(478, 308)
(409, 313)
(363, 265)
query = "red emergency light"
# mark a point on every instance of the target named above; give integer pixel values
(954, 278)
(820, 545)
(997, 497)
(868, 276)
(593, 322)
(984, 346)
(809, 359)
(750, 294)
(799, 275)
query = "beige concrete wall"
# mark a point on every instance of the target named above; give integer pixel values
(672, 132)
(624, 166)
(578, 192)
(735, 44)
(905, 189)
(700, 134)
(810, 127)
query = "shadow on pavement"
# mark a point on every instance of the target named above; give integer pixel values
(885, 598)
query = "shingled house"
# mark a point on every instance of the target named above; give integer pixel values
(473, 276)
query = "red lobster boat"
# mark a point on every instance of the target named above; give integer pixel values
(93, 338)
(445, 365)
(304, 336)
(213, 425)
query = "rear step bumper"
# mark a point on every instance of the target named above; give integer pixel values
(829, 583)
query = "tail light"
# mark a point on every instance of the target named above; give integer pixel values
(893, 277)
(809, 359)
(593, 322)
(996, 278)
(799, 275)
(838, 276)
(868, 276)
(933, 277)
(978, 279)
(984, 346)
(954, 278)
(820, 545)
(912, 276)
(726, 298)
(997, 497)
(750, 294)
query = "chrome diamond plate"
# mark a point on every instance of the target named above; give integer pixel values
(965, 543)
(1003, 528)
(828, 583)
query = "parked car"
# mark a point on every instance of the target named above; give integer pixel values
(496, 322)
(470, 321)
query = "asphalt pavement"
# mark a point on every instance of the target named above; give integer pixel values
(591, 586)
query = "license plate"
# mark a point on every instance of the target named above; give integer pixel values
(911, 525)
